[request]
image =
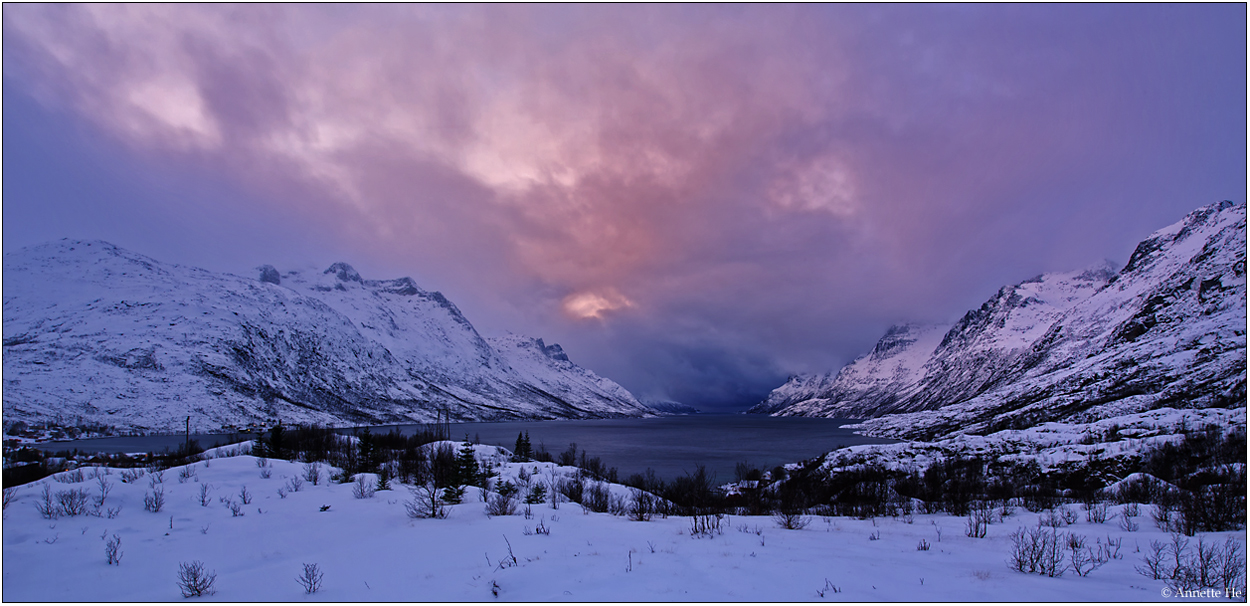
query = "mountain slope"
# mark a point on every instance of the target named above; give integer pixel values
(1166, 330)
(94, 333)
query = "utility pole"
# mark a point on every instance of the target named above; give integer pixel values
(187, 447)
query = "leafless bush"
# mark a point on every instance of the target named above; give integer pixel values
(1154, 563)
(72, 502)
(236, 508)
(154, 501)
(112, 550)
(262, 462)
(266, 473)
(312, 473)
(69, 477)
(130, 475)
(641, 505)
(1096, 513)
(1037, 550)
(791, 519)
(923, 545)
(1130, 510)
(979, 521)
(311, 579)
(282, 490)
(1207, 566)
(46, 505)
(245, 496)
(205, 499)
(1051, 519)
(1163, 517)
(425, 502)
(1128, 524)
(596, 497)
(10, 494)
(1068, 515)
(706, 524)
(364, 487)
(185, 473)
(295, 483)
(194, 580)
(155, 476)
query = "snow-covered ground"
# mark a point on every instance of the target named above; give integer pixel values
(370, 550)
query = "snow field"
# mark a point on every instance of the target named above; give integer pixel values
(370, 550)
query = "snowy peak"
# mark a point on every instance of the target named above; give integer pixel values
(97, 333)
(1166, 330)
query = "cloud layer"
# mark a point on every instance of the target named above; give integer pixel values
(696, 200)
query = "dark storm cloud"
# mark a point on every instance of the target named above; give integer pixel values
(694, 200)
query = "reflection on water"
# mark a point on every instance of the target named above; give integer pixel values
(671, 446)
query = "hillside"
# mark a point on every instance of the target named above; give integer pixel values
(99, 335)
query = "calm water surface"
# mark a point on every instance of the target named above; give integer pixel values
(672, 446)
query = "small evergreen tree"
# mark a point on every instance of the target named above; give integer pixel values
(384, 477)
(467, 471)
(367, 452)
(275, 448)
(523, 451)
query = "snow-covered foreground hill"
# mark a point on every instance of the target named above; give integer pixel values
(370, 550)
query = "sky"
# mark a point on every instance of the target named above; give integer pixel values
(696, 201)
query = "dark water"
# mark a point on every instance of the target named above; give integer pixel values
(672, 446)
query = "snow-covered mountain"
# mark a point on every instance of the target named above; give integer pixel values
(669, 407)
(1169, 329)
(95, 333)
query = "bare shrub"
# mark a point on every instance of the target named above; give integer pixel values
(312, 473)
(154, 501)
(131, 475)
(245, 496)
(363, 487)
(195, 580)
(1128, 524)
(105, 488)
(266, 473)
(236, 508)
(72, 502)
(311, 579)
(112, 550)
(1154, 563)
(10, 494)
(295, 483)
(791, 519)
(46, 505)
(1068, 515)
(641, 505)
(155, 476)
(1096, 513)
(923, 545)
(706, 523)
(425, 502)
(205, 499)
(979, 521)
(69, 477)
(185, 473)
(597, 497)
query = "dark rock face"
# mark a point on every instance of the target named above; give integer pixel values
(1166, 330)
(269, 274)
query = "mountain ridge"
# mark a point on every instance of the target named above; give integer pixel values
(99, 334)
(1168, 329)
